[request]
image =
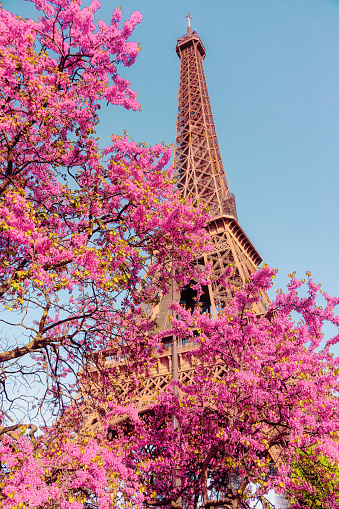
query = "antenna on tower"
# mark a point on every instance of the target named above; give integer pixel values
(188, 17)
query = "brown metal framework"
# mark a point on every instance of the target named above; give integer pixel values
(200, 176)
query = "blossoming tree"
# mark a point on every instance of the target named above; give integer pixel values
(77, 225)
(263, 394)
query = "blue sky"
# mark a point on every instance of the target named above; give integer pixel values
(272, 70)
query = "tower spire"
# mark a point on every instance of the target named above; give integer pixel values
(189, 17)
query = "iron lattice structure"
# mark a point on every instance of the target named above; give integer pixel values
(200, 176)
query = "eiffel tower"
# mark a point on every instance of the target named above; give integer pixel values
(200, 176)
